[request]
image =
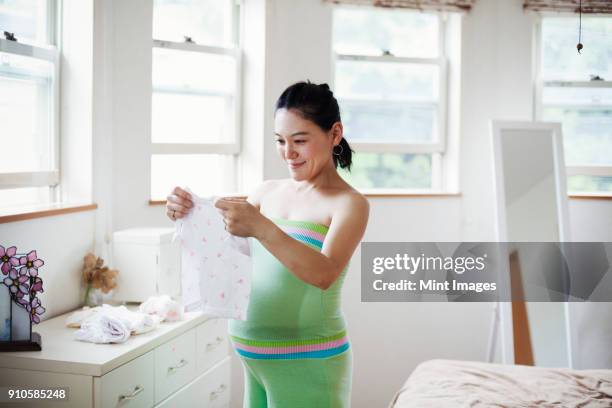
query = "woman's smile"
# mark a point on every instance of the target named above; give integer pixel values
(296, 164)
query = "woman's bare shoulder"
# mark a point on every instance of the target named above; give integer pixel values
(264, 188)
(354, 199)
(273, 184)
(350, 194)
(351, 202)
(350, 218)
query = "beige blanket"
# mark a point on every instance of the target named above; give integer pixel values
(449, 383)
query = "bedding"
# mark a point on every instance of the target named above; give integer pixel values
(453, 383)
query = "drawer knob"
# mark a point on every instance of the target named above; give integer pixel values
(137, 390)
(210, 346)
(215, 394)
(181, 363)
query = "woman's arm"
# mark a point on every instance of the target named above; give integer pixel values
(321, 269)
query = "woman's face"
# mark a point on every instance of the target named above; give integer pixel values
(302, 144)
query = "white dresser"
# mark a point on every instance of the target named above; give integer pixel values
(180, 364)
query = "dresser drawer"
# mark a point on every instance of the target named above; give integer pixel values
(216, 385)
(211, 343)
(175, 364)
(131, 385)
(208, 390)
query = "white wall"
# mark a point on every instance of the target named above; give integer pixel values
(495, 83)
(61, 242)
(103, 158)
(131, 88)
(591, 323)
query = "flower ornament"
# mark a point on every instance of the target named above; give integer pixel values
(22, 280)
(35, 309)
(31, 263)
(36, 286)
(21, 300)
(8, 259)
(16, 282)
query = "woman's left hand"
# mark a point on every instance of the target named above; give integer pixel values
(241, 218)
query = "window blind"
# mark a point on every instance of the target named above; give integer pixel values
(570, 6)
(439, 5)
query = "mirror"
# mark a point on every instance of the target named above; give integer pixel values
(531, 206)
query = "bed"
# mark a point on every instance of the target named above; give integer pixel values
(450, 383)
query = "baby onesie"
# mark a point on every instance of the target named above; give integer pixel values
(215, 265)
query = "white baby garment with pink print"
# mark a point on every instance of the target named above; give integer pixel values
(216, 265)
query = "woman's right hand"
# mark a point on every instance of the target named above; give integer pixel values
(178, 204)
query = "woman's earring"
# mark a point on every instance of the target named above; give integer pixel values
(338, 153)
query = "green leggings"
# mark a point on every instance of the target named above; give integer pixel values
(298, 383)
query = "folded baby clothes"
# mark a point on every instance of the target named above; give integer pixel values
(106, 324)
(102, 328)
(215, 265)
(164, 307)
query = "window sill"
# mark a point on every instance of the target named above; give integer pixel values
(402, 193)
(12, 214)
(591, 196)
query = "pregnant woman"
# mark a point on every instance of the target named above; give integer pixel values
(294, 344)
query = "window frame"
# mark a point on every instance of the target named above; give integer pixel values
(234, 147)
(50, 53)
(538, 91)
(437, 148)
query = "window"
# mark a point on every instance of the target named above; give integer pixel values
(576, 90)
(196, 96)
(29, 109)
(390, 81)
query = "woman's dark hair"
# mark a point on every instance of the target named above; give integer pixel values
(317, 104)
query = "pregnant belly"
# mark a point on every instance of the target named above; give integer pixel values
(280, 299)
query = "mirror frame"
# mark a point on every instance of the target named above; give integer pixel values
(503, 310)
